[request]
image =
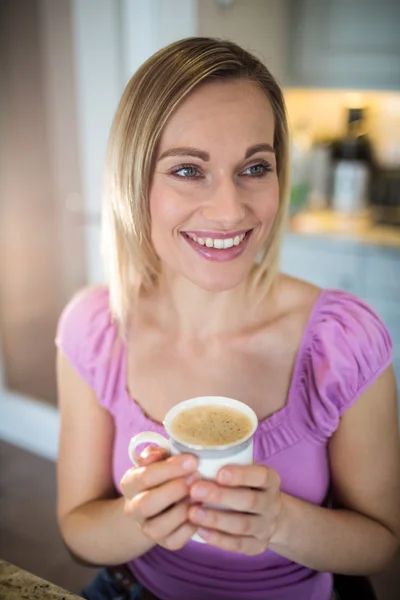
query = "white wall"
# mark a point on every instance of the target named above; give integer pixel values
(151, 25)
(257, 25)
(97, 46)
(61, 120)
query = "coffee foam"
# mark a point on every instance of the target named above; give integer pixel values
(211, 425)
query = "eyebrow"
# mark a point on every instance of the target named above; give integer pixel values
(259, 148)
(186, 152)
(205, 156)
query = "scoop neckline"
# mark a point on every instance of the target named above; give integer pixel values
(277, 417)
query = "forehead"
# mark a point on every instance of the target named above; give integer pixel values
(218, 111)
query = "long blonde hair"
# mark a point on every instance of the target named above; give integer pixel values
(149, 99)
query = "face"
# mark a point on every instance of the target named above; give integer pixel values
(215, 193)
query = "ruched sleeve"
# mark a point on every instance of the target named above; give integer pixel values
(348, 348)
(88, 338)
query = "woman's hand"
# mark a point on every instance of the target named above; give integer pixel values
(157, 497)
(253, 495)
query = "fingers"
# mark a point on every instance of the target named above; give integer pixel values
(241, 524)
(179, 537)
(152, 454)
(241, 488)
(252, 493)
(240, 499)
(151, 502)
(252, 476)
(164, 525)
(138, 479)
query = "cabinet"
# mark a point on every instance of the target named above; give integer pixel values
(369, 272)
(342, 44)
(325, 263)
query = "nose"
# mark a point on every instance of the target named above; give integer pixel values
(226, 206)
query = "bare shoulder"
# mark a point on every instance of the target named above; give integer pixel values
(296, 294)
(294, 300)
(285, 316)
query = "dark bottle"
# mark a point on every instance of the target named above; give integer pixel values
(353, 161)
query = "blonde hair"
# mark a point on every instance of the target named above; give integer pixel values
(149, 99)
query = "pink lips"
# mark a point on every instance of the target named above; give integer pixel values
(217, 234)
(215, 254)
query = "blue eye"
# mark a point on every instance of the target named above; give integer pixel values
(258, 170)
(186, 172)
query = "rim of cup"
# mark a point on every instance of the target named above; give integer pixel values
(210, 400)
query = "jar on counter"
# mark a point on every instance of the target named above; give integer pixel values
(351, 186)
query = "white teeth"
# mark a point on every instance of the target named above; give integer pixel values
(217, 242)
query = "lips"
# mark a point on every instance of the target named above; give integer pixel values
(216, 240)
(218, 247)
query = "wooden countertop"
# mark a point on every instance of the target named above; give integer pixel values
(15, 584)
(359, 229)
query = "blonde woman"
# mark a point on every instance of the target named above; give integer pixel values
(194, 210)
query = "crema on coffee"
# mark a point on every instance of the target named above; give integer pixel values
(210, 425)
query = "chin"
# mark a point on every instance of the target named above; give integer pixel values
(216, 283)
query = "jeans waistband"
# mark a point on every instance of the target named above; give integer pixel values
(126, 580)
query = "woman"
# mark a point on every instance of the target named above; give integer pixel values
(194, 212)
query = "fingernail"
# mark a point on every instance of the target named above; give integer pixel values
(192, 478)
(199, 492)
(189, 464)
(225, 477)
(148, 451)
(204, 533)
(199, 514)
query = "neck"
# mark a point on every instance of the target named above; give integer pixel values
(194, 312)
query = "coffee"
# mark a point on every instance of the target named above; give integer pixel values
(211, 425)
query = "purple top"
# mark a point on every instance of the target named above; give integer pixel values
(344, 348)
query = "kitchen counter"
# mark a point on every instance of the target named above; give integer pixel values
(360, 229)
(17, 584)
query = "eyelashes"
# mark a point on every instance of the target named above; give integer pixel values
(263, 168)
(191, 171)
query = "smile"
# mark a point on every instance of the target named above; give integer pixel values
(219, 243)
(218, 247)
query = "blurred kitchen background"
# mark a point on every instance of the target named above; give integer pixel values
(63, 67)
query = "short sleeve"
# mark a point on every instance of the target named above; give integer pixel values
(87, 336)
(348, 349)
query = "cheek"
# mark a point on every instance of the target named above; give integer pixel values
(269, 203)
(167, 213)
(162, 208)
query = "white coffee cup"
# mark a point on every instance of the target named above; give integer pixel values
(211, 458)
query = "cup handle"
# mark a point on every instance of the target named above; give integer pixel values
(146, 437)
